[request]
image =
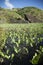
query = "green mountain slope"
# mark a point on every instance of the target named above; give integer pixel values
(8, 16)
(32, 11)
(21, 15)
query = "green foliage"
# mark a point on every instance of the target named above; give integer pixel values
(17, 40)
(36, 57)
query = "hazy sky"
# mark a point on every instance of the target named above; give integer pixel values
(21, 3)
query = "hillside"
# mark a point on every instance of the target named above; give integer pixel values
(31, 13)
(21, 15)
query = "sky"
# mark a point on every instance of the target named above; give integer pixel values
(21, 3)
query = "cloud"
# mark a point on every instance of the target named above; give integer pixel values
(8, 4)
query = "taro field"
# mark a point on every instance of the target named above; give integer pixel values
(21, 44)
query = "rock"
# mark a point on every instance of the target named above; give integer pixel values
(31, 18)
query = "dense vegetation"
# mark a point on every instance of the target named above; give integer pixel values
(22, 15)
(21, 44)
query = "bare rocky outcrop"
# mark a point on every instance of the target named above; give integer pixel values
(32, 19)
